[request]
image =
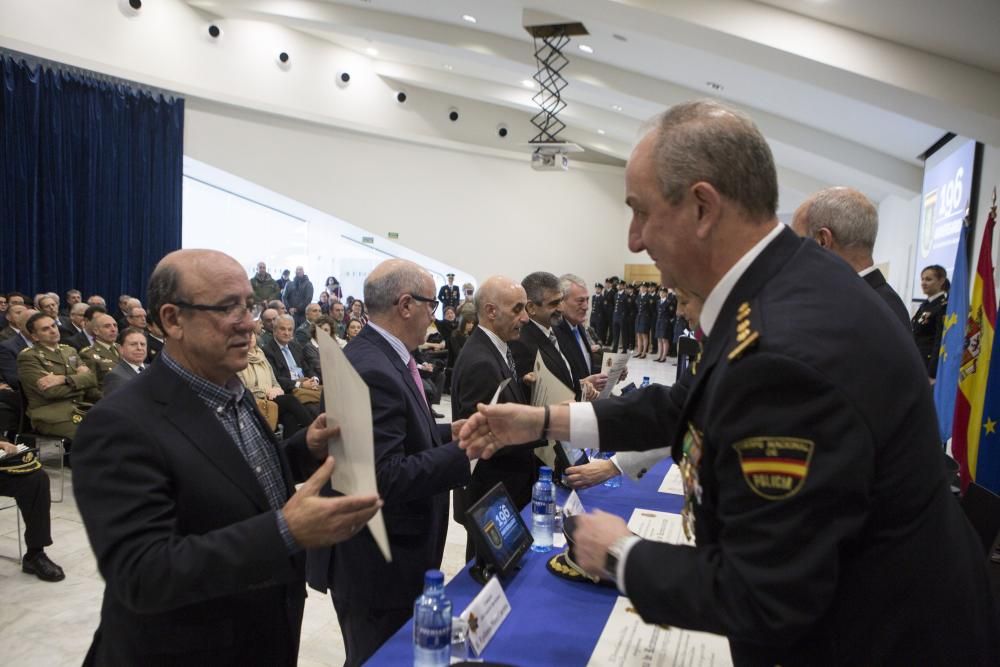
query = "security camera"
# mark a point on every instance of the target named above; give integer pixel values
(343, 79)
(400, 96)
(502, 131)
(214, 31)
(130, 8)
(283, 57)
(453, 114)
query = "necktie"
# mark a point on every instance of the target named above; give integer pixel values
(583, 346)
(140, 369)
(415, 374)
(293, 369)
(555, 344)
(510, 363)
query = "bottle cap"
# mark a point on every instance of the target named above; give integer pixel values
(434, 578)
(545, 471)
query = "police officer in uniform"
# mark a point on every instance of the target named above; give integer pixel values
(618, 321)
(449, 295)
(628, 321)
(597, 313)
(58, 385)
(928, 321)
(824, 530)
(103, 355)
(608, 309)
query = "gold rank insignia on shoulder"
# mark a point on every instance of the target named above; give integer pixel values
(775, 467)
(745, 336)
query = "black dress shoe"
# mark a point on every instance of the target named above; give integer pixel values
(43, 568)
(437, 415)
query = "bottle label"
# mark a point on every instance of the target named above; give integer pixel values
(432, 638)
(543, 507)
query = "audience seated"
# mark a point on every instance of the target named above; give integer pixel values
(132, 361)
(136, 319)
(75, 335)
(29, 487)
(58, 386)
(310, 350)
(277, 406)
(302, 332)
(102, 356)
(10, 348)
(338, 314)
(285, 357)
(13, 328)
(154, 342)
(354, 327)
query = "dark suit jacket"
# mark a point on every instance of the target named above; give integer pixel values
(415, 465)
(153, 348)
(877, 281)
(526, 348)
(66, 329)
(119, 375)
(195, 567)
(479, 370)
(858, 510)
(9, 349)
(582, 366)
(278, 364)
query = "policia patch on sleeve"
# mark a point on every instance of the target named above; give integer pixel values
(775, 468)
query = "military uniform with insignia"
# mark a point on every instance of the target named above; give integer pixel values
(56, 410)
(449, 295)
(825, 530)
(927, 325)
(618, 320)
(100, 358)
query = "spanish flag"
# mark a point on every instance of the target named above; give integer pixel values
(987, 468)
(975, 364)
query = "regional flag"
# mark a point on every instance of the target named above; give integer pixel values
(975, 364)
(986, 471)
(953, 337)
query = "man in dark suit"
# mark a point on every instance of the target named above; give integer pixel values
(573, 339)
(485, 361)
(845, 222)
(188, 498)
(10, 348)
(791, 449)
(416, 464)
(285, 357)
(74, 335)
(544, 299)
(130, 364)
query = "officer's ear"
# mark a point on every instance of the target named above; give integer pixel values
(709, 204)
(824, 237)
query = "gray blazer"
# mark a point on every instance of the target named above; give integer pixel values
(119, 375)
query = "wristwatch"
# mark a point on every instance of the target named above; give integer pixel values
(613, 557)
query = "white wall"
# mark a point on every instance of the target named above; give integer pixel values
(898, 227)
(990, 179)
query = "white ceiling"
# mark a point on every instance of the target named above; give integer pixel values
(848, 92)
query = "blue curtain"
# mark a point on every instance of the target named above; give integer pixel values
(90, 181)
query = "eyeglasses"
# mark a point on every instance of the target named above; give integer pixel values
(234, 311)
(416, 297)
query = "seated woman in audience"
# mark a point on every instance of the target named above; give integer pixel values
(310, 352)
(324, 302)
(358, 311)
(928, 321)
(354, 327)
(274, 403)
(458, 337)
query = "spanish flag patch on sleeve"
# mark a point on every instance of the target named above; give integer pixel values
(775, 468)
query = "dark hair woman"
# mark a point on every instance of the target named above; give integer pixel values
(928, 321)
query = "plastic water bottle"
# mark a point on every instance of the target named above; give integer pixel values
(432, 624)
(615, 481)
(543, 511)
(645, 381)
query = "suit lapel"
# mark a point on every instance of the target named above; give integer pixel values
(554, 360)
(192, 418)
(514, 389)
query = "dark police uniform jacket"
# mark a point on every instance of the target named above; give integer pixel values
(449, 295)
(928, 324)
(826, 532)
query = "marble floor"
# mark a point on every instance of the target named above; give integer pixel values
(54, 622)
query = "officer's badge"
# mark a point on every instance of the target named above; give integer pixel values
(745, 336)
(76, 418)
(775, 468)
(693, 448)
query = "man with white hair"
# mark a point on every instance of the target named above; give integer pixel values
(572, 335)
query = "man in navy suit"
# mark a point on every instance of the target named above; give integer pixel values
(573, 339)
(416, 465)
(10, 348)
(188, 497)
(824, 528)
(845, 222)
(544, 300)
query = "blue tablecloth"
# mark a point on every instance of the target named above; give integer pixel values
(552, 621)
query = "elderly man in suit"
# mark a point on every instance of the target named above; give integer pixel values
(572, 335)
(416, 464)
(485, 361)
(845, 222)
(131, 363)
(285, 356)
(10, 348)
(188, 498)
(792, 450)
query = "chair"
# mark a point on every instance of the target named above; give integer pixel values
(26, 436)
(982, 507)
(20, 545)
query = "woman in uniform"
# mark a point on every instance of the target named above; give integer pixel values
(928, 321)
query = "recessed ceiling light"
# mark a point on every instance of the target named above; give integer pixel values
(586, 48)
(601, 132)
(469, 18)
(371, 51)
(448, 67)
(616, 107)
(527, 83)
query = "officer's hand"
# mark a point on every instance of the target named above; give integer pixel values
(318, 437)
(591, 474)
(48, 381)
(587, 391)
(595, 533)
(82, 369)
(529, 378)
(494, 426)
(316, 521)
(7, 448)
(599, 380)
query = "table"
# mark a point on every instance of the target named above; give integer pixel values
(552, 621)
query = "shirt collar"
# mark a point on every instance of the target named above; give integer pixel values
(212, 394)
(135, 367)
(394, 342)
(500, 345)
(545, 330)
(717, 297)
(870, 269)
(936, 296)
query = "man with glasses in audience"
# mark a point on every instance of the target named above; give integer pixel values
(189, 500)
(416, 464)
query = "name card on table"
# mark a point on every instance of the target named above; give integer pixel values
(658, 526)
(573, 506)
(627, 641)
(485, 614)
(672, 482)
